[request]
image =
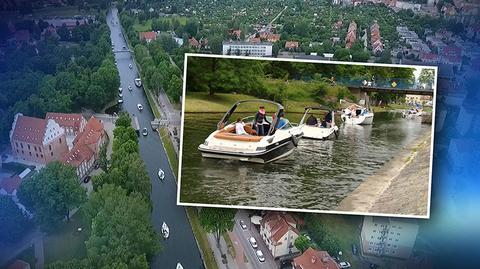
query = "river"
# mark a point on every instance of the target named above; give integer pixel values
(318, 175)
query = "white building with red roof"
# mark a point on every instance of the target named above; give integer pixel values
(86, 147)
(314, 259)
(72, 123)
(279, 231)
(37, 140)
(148, 36)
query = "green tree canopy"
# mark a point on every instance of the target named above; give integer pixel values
(217, 220)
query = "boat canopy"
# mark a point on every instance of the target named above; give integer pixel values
(319, 107)
(273, 125)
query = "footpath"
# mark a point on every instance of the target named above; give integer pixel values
(401, 186)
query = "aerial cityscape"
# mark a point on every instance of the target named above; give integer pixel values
(90, 117)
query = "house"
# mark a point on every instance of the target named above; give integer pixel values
(261, 49)
(338, 25)
(148, 36)
(194, 43)
(351, 35)
(10, 185)
(279, 231)
(37, 140)
(235, 32)
(375, 39)
(273, 38)
(291, 45)
(314, 259)
(86, 147)
(72, 123)
(255, 40)
(391, 237)
(19, 264)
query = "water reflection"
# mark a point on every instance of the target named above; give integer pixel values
(318, 175)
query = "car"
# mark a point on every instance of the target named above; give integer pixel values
(120, 95)
(120, 101)
(243, 225)
(260, 256)
(344, 265)
(130, 66)
(130, 87)
(253, 242)
(87, 179)
(120, 89)
(144, 132)
(140, 107)
(354, 249)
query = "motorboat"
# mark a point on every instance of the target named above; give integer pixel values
(356, 114)
(161, 174)
(179, 266)
(138, 82)
(317, 129)
(411, 113)
(165, 230)
(225, 143)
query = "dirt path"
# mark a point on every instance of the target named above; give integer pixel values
(400, 187)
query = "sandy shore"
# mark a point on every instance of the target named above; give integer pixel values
(399, 187)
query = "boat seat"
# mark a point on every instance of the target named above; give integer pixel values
(229, 134)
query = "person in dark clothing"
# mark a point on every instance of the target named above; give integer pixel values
(261, 121)
(312, 120)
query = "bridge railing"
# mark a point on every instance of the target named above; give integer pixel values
(390, 83)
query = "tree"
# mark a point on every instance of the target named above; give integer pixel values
(302, 243)
(14, 222)
(102, 158)
(121, 229)
(330, 244)
(123, 120)
(217, 221)
(427, 76)
(52, 193)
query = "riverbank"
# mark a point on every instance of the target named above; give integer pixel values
(400, 187)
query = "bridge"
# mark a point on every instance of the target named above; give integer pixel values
(390, 85)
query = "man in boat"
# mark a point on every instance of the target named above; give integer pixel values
(282, 121)
(239, 127)
(261, 121)
(312, 120)
(329, 121)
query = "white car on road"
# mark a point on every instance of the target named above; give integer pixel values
(242, 224)
(140, 107)
(253, 242)
(260, 256)
(120, 89)
(344, 265)
(120, 95)
(120, 101)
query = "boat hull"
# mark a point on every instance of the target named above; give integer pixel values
(319, 133)
(360, 120)
(273, 152)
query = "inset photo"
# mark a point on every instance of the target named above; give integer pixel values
(311, 136)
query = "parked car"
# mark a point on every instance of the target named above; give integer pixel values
(243, 225)
(344, 265)
(87, 179)
(144, 132)
(140, 107)
(253, 242)
(354, 249)
(260, 256)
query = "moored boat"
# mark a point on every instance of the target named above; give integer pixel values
(165, 230)
(313, 128)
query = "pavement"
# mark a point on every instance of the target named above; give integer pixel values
(181, 246)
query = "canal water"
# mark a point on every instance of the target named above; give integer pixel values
(318, 175)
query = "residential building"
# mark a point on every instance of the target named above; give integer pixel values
(388, 236)
(193, 42)
(273, 38)
(351, 35)
(72, 123)
(314, 259)
(375, 38)
(9, 185)
(279, 231)
(291, 45)
(262, 49)
(86, 147)
(235, 32)
(148, 36)
(37, 140)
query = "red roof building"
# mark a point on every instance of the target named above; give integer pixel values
(291, 45)
(314, 259)
(273, 38)
(235, 32)
(37, 140)
(193, 42)
(73, 124)
(351, 35)
(148, 36)
(9, 185)
(279, 231)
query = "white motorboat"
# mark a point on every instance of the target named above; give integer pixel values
(411, 113)
(277, 143)
(165, 230)
(356, 115)
(317, 129)
(161, 174)
(179, 266)
(138, 82)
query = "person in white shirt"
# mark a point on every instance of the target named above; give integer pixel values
(239, 127)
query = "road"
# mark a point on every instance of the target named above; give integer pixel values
(244, 235)
(181, 246)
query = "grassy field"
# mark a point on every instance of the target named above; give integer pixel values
(147, 25)
(169, 148)
(221, 102)
(67, 243)
(201, 237)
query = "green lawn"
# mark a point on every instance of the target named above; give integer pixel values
(221, 102)
(67, 243)
(201, 237)
(151, 102)
(143, 27)
(169, 148)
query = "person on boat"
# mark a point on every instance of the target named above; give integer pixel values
(261, 121)
(329, 119)
(347, 112)
(239, 127)
(282, 121)
(312, 120)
